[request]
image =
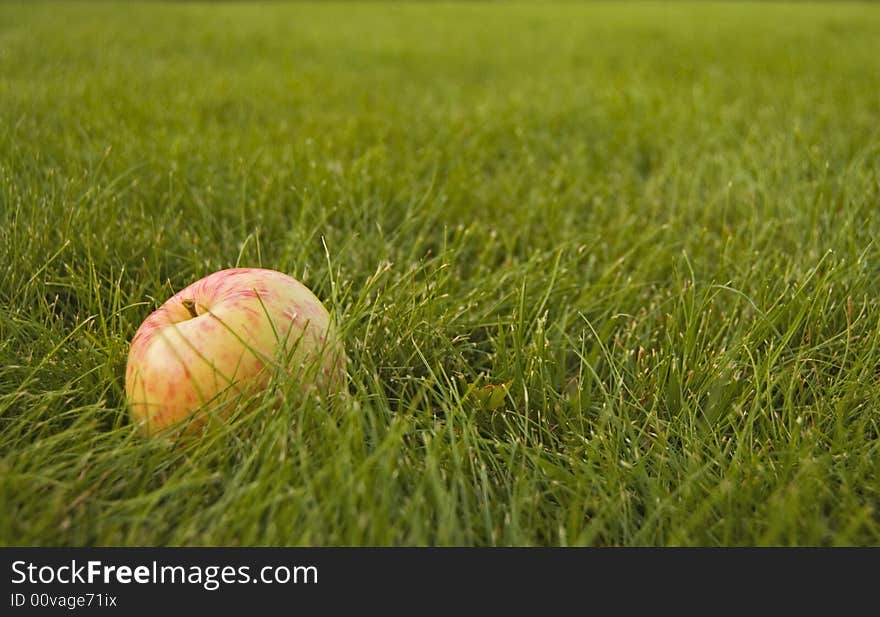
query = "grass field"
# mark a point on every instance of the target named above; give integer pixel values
(656, 223)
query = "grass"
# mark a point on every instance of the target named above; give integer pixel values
(655, 224)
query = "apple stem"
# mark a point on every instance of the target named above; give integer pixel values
(190, 306)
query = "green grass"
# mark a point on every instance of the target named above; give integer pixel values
(657, 222)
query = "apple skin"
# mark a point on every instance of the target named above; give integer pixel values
(248, 323)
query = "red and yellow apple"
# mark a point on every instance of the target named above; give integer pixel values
(223, 337)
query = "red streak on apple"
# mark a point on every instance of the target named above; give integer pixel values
(222, 337)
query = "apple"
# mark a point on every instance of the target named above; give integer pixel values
(222, 338)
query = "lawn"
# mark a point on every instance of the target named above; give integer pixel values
(650, 231)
